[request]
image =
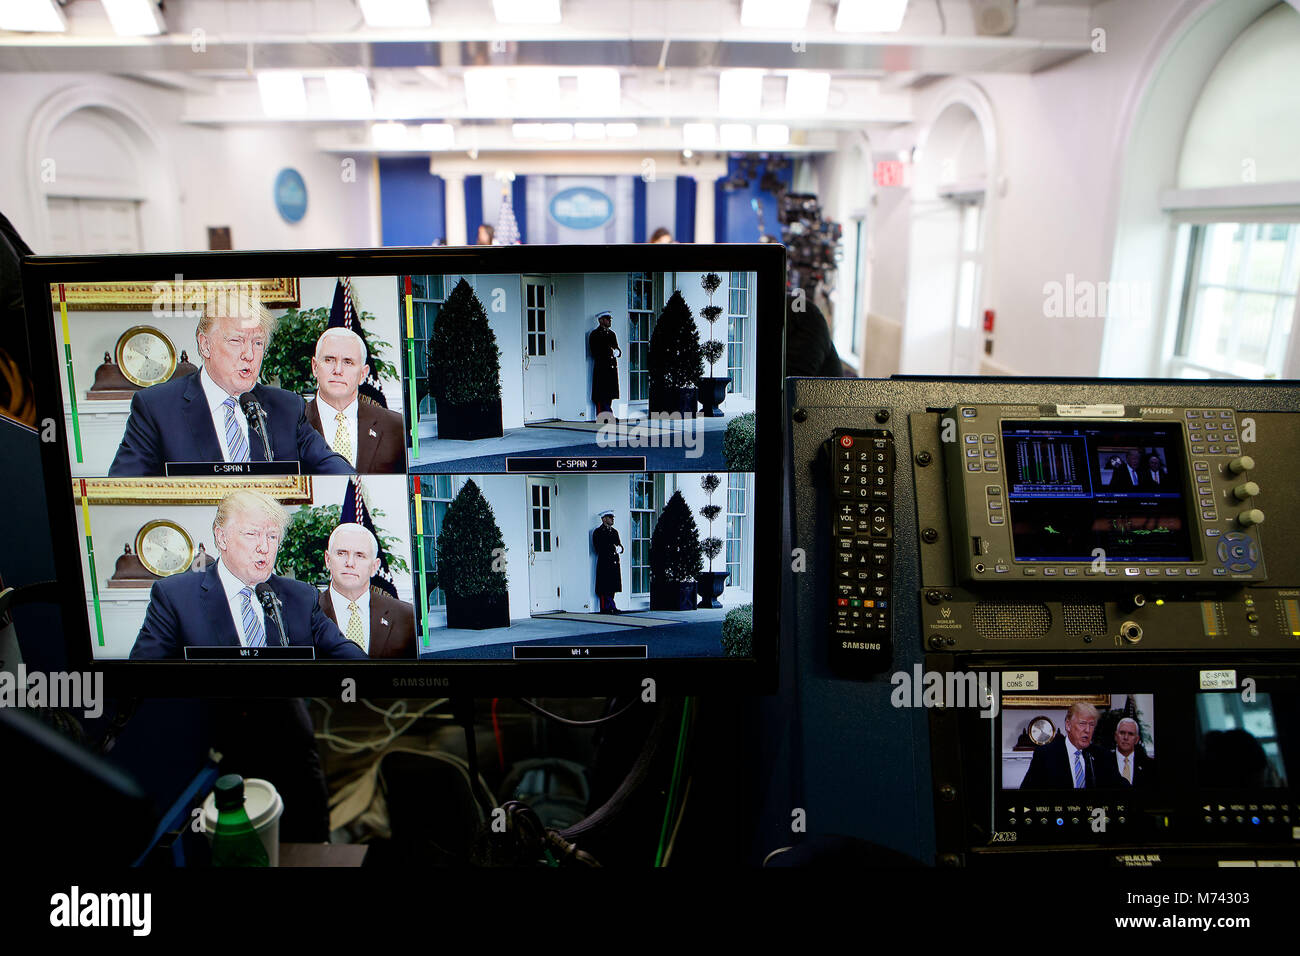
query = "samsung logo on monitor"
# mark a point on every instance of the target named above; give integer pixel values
(421, 682)
(581, 207)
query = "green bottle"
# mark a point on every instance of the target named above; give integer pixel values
(235, 842)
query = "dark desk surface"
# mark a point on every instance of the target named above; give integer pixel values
(322, 854)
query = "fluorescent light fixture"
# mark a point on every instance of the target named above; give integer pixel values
(526, 130)
(134, 18)
(621, 130)
(349, 92)
(589, 130)
(599, 90)
(526, 11)
(699, 135)
(536, 90)
(396, 13)
(557, 132)
(740, 92)
(486, 92)
(773, 134)
(438, 135)
(807, 92)
(389, 135)
(283, 93)
(774, 14)
(32, 16)
(736, 135)
(870, 16)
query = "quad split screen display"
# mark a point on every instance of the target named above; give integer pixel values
(422, 465)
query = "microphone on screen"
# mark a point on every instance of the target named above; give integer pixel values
(271, 604)
(256, 416)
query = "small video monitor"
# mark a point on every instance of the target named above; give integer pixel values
(1083, 742)
(425, 458)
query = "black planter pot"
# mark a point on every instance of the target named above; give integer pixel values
(470, 421)
(713, 392)
(672, 596)
(709, 584)
(680, 401)
(478, 613)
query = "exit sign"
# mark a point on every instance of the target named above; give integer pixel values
(890, 172)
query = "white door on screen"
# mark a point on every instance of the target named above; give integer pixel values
(93, 226)
(539, 344)
(543, 586)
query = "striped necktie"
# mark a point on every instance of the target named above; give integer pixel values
(236, 442)
(254, 628)
(1078, 770)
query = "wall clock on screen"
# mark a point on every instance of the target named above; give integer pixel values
(164, 547)
(145, 355)
(1041, 731)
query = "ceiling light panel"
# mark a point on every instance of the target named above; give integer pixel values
(740, 92)
(32, 16)
(774, 14)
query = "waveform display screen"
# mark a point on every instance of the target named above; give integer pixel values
(1076, 491)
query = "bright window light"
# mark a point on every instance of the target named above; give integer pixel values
(283, 93)
(349, 92)
(526, 11)
(773, 134)
(774, 14)
(589, 130)
(736, 135)
(134, 18)
(557, 132)
(486, 92)
(396, 13)
(438, 135)
(807, 92)
(32, 16)
(526, 130)
(870, 16)
(598, 90)
(621, 130)
(740, 92)
(699, 135)
(389, 135)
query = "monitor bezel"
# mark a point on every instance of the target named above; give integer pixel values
(722, 675)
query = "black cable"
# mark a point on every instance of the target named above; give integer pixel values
(568, 722)
(464, 708)
(943, 21)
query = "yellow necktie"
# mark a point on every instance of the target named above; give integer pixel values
(342, 440)
(354, 633)
(1128, 774)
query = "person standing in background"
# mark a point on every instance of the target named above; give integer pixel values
(605, 353)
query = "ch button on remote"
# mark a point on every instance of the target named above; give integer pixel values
(862, 551)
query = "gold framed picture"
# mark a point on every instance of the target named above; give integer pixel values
(287, 489)
(1100, 701)
(170, 294)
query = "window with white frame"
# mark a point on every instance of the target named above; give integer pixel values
(428, 293)
(644, 499)
(737, 321)
(640, 323)
(1238, 300)
(437, 492)
(737, 520)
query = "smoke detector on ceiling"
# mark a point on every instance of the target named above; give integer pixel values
(993, 18)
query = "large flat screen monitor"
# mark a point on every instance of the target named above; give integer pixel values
(519, 469)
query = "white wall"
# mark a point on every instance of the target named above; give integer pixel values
(1059, 141)
(212, 177)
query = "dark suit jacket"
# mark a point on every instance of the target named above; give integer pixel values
(172, 422)
(1120, 480)
(1050, 769)
(1108, 773)
(190, 609)
(381, 438)
(392, 625)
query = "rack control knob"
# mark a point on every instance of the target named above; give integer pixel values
(1246, 490)
(1250, 517)
(1238, 465)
